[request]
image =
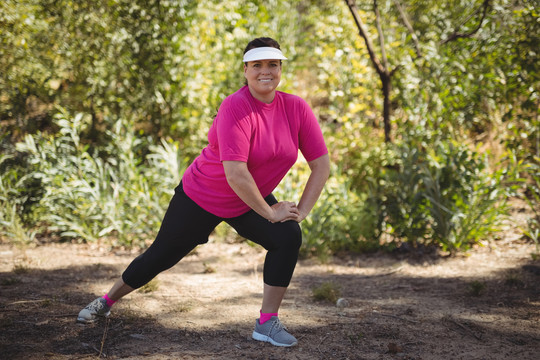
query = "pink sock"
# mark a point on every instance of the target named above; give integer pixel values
(265, 317)
(108, 300)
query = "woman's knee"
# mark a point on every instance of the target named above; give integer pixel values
(292, 237)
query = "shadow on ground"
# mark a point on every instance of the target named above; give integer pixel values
(390, 316)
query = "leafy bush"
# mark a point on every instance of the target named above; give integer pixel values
(102, 192)
(337, 222)
(444, 194)
(466, 199)
(327, 291)
(437, 192)
(403, 204)
(532, 196)
(476, 287)
(12, 201)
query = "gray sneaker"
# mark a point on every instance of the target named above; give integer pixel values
(273, 332)
(96, 308)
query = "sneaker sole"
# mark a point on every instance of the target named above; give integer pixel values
(261, 337)
(91, 321)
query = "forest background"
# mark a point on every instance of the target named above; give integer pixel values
(430, 112)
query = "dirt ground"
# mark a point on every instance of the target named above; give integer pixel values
(481, 305)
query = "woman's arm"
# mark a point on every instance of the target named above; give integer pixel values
(241, 181)
(320, 170)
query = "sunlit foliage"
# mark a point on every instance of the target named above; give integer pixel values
(103, 103)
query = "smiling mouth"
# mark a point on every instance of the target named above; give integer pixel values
(265, 80)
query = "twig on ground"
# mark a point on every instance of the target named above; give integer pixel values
(396, 317)
(412, 343)
(104, 337)
(386, 273)
(461, 326)
(118, 324)
(97, 350)
(318, 346)
(62, 315)
(27, 301)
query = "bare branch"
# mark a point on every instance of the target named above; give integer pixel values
(456, 34)
(394, 70)
(409, 27)
(381, 36)
(363, 33)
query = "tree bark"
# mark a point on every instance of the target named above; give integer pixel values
(363, 33)
(384, 73)
(387, 89)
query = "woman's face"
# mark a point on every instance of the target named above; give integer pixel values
(263, 77)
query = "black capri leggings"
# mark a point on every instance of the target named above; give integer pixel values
(187, 225)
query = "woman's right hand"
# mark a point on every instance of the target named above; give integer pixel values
(284, 211)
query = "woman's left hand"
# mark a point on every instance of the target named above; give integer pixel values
(284, 211)
(300, 216)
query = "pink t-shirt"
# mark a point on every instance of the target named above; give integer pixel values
(266, 136)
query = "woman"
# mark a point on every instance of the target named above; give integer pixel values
(252, 144)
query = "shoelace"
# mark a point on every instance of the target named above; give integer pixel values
(278, 326)
(95, 306)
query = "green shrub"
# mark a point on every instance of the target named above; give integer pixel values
(423, 193)
(327, 291)
(442, 193)
(532, 196)
(466, 198)
(338, 221)
(476, 287)
(119, 191)
(14, 196)
(403, 201)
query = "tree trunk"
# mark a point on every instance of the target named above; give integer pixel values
(386, 88)
(382, 68)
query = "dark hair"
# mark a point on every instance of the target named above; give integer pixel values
(262, 42)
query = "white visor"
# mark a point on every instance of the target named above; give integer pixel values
(264, 53)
